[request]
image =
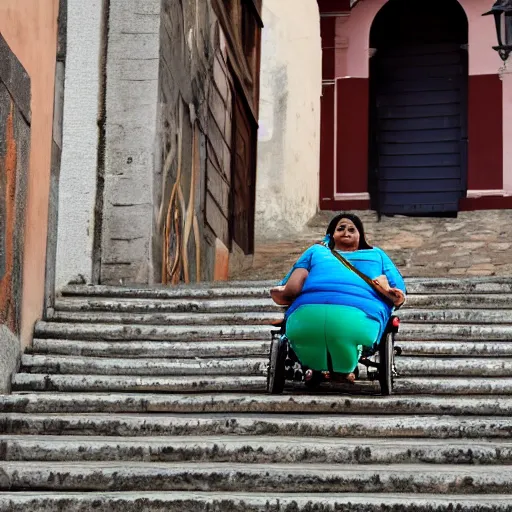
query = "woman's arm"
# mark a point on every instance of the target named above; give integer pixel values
(288, 293)
(396, 281)
(392, 273)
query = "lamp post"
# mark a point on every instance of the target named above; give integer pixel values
(502, 12)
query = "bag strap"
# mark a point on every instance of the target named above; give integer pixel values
(364, 277)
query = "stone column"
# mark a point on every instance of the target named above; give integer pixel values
(130, 138)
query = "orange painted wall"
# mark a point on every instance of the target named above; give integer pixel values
(30, 29)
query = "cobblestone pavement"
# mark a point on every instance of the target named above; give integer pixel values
(473, 244)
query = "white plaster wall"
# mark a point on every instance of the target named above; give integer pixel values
(77, 185)
(287, 184)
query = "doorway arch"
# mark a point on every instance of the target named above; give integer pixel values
(418, 107)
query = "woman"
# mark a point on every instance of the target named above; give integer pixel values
(333, 311)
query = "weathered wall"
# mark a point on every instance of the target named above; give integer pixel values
(130, 135)
(289, 133)
(30, 30)
(77, 182)
(14, 156)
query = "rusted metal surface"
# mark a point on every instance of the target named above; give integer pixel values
(14, 142)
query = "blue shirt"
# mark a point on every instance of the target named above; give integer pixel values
(330, 282)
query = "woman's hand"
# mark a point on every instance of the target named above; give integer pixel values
(278, 296)
(397, 295)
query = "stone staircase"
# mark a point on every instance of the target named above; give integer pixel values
(154, 400)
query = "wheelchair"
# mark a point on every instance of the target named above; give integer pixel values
(285, 366)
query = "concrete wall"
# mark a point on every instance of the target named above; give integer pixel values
(77, 183)
(30, 29)
(130, 141)
(289, 133)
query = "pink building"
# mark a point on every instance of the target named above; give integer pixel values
(416, 108)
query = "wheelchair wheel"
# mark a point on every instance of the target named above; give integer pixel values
(276, 367)
(386, 355)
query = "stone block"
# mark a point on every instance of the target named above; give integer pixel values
(10, 353)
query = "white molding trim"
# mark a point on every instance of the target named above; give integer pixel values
(474, 194)
(329, 82)
(339, 14)
(352, 196)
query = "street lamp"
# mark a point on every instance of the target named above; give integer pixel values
(502, 12)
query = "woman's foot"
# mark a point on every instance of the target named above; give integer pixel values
(351, 377)
(343, 377)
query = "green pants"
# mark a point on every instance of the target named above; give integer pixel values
(316, 330)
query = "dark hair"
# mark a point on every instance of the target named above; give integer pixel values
(363, 244)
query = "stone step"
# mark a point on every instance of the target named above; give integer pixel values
(461, 316)
(109, 332)
(249, 304)
(406, 366)
(259, 424)
(225, 305)
(481, 348)
(327, 403)
(154, 367)
(253, 450)
(249, 502)
(230, 477)
(454, 366)
(170, 319)
(453, 332)
(196, 291)
(161, 384)
(153, 348)
(457, 316)
(419, 285)
(201, 384)
(253, 348)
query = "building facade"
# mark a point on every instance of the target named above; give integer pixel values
(168, 181)
(127, 148)
(416, 108)
(30, 48)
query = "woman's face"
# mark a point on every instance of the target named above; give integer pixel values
(346, 236)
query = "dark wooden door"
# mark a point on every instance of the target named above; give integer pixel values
(243, 176)
(420, 133)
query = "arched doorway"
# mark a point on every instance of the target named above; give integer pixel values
(418, 107)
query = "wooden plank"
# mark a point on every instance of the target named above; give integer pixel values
(420, 123)
(414, 85)
(243, 178)
(413, 71)
(420, 148)
(413, 186)
(405, 173)
(421, 60)
(419, 160)
(441, 134)
(431, 98)
(216, 220)
(414, 111)
(218, 188)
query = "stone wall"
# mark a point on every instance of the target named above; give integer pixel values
(15, 118)
(130, 123)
